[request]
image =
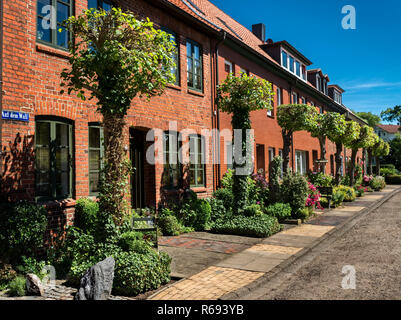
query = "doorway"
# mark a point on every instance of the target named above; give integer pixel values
(137, 151)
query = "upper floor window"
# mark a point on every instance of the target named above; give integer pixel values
(284, 59)
(294, 98)
(337, 97)
(197, 161)
(293, 65)
(53, 163)
(51, 14)
(194, 66)
(176, 69)
(303, 99)
(100, 4)
(228, 66)
(96, 153)
(291, 61)
(318, 83)
(279, 96)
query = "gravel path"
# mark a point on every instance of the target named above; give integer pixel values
(372, 247)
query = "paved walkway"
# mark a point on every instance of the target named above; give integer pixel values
(213, 268)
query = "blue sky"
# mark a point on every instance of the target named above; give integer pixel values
(366, 62)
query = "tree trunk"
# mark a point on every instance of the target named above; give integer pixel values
(378, 166)
(352, 167)
(370, 167)
(287, 142)
(339, 149)
(242, 157)
(322, 142)
(114, 180)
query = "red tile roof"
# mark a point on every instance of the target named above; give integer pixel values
(390, 128)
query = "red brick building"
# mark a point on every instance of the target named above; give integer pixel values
(55, 155)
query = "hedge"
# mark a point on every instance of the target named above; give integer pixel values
(393, 179)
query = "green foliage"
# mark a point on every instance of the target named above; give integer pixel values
(86, 215)
(7, 273)
(296, 117)
(274, 179)
(253, 210)
(31, 265)
(394, 156)
(133, 241)
(170, 226)
(365, 140)
(392, 114)
(388, 172)
(349, 193)
(320, 179)
(261, 226)
(218, 210)
(378, 183)
(372, 119)
(294, 191)
(22, 229)
(393, 179)
(338, 198)
(195, 213)
(17, 287)
(281, 211)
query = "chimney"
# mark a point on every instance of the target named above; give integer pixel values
(259, 30)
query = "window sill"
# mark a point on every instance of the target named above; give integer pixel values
(199, 189)
(52, 51)
(196, 93)
(174, 86)
(50, 204)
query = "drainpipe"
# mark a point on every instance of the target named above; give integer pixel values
(216, 111)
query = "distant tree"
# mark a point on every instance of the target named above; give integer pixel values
(114, 59)
(375, 145)
(239, 96)
(372, 119)
(380, 149)
(292, 118)
(392, 114)
(394, 157)
(343, 133)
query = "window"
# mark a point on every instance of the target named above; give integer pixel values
(297, 68)
(100, 4)
(48, 25)
(197, 161)
(96, 153)
(53, 163)
(318, 83)
(321, 110)
(337, 97)
(280, 153)
(194, 66)
(284, 59)
(279, 97)
(303, 99)
(228, 66)
(300, 162)
(303, 72)
(172, 170)
(244, 71)
(294, 98)
(176, 69)
(291, 64)
(229, 153)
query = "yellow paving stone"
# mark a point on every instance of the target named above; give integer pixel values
(274, 249)
(350, 208)
(371, 197)
(203, 287)
(308, 230)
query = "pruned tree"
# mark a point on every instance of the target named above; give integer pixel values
(364, 141)
(239, 96)
(114, 59)
(292, 118)
(380, 149)
(374, 144)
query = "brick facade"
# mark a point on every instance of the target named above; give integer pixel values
(31, 84)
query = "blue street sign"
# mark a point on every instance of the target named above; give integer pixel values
(14, 115)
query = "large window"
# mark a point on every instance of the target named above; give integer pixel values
(300, 162)
(176, 69)
(197, 161)
(51, 14)
(228, 66)
(172, 169)
(293, 65)
(53, 165)
(337, 97)
(96, 153)
(284, 59)
(194, 66)
(100, 4)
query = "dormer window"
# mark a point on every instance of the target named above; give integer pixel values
(293, 65)
(337, 97)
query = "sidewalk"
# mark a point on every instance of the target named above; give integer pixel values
(213, 266)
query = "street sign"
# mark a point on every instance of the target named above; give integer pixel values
(14, 115)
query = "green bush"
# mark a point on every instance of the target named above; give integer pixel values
(203, 213)
(393, 179)
(338, 198)
(253, 210)
(349, 193)
(86, 214)
(22, 229)
(281, 211)
(7, 273)
(225, 195)
(294, 191)
(170, 226)
(218, 210)
(378, 183)
(127, 240)
(257, 226)
(275, 173)
(319, 179)
(17, 287)
(31, 265)
(137, 273)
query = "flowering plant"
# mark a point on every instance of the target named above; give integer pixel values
(313, 197)
(367, 179)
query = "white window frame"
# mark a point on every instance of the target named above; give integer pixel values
(303, 100)
(294, 101)
(302, 75)
(230, 65)
(318, 82)
(300, 156)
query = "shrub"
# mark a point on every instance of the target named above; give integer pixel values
(313, 199)
(22, 229)
(294, 191)
(274, 179)
(226, 196)
(393, 179)
(7, 273)
(349, 193)
(257, 226)
(127, 240)
(320, 179)
(388, 171)
(86, 214)
(203, 212)
(360, 190)
(253, 210)
(17, 287)
(281, 211)
(258, 189)
(31, 265)
(136, 273)
(170, 226)
(218, 211)
(378, 183)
